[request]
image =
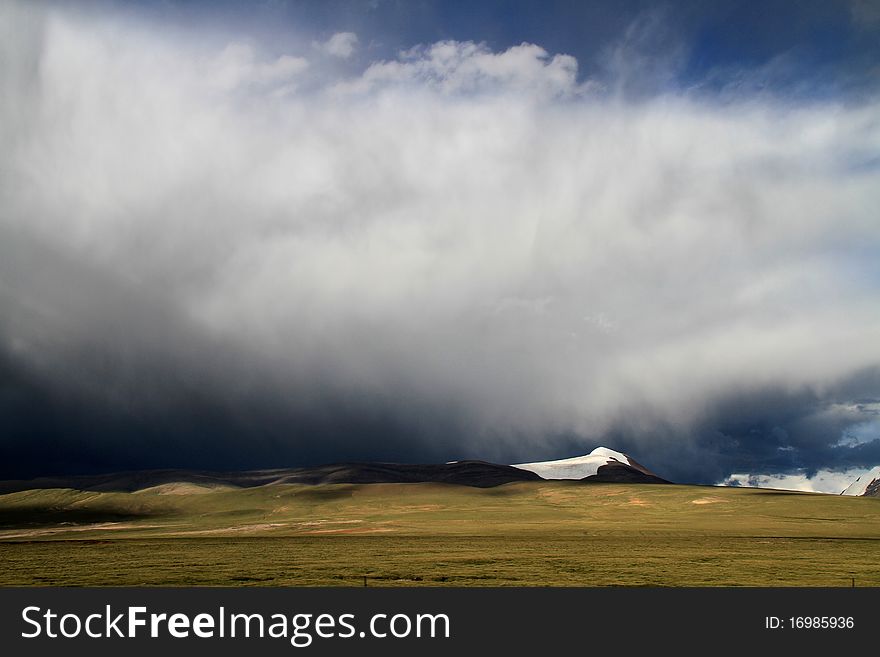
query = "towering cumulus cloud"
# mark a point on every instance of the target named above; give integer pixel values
(217, 255)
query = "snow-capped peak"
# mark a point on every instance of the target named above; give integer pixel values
(860, 486)
(610, 453)
(578, 467)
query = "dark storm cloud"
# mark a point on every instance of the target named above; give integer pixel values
(766, 430)
(104, 375)
(217, 255)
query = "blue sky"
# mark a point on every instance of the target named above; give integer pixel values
(801, 49)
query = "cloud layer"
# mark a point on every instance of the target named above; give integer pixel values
(222, 257)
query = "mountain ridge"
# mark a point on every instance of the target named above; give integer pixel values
(602, 465)
(479, 474)
(599, 466)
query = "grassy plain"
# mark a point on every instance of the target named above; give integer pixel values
(526, 534)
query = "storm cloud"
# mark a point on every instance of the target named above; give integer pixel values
(220, 256)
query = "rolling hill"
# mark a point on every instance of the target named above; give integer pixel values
(479, 474)
(528, 533)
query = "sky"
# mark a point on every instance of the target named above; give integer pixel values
(242, 235)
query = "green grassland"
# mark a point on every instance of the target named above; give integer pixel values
(526, 534)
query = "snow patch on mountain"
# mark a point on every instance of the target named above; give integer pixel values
(860, 486)
(578, 467)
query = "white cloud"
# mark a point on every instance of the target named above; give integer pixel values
(823, 481)
(458, 227)
(460, 67)
(341, 44)
(239, 65)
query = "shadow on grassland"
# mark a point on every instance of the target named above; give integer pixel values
(22, 517)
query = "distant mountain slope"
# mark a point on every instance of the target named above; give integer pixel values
(480, 474)
(600, 465)
(465, 473)
(868, 485)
